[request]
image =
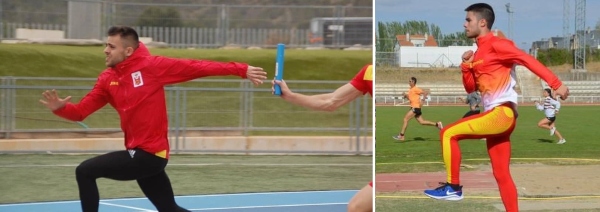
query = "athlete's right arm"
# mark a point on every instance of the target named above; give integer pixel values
(89, 104)
(467, 71)
(468, 77)
(539, 106)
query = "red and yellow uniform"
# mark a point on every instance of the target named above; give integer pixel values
(492, 73)
(363, 81)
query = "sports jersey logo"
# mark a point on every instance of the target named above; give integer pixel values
(137, 79)
(477, 62)
(114, 83)
(131, 152)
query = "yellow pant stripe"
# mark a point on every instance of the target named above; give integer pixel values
(496, 121)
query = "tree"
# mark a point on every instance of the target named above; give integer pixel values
(455, 39)
(386, 34)
(384, 42)
(160, 17)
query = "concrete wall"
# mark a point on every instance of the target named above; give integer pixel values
(22, 33)
(204, 145)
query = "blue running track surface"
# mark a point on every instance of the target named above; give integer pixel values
(313, 201)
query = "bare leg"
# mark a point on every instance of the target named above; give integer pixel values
(425, 122)
(558, 135)
(544, 123)
(362, 201)
(556, 131)
(409, 115)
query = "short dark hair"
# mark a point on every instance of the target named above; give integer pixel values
(414, 80)
(483, 11)
(126, 33)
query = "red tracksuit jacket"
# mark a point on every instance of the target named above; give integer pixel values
(491, 71)
(135, 88)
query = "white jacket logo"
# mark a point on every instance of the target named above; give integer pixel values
(131, 152)
(137, 79)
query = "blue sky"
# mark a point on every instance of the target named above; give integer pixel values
(532, 19)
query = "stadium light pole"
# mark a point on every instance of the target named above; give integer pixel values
(1, 22)
(510, 20)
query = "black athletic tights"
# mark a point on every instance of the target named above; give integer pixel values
(147, 169)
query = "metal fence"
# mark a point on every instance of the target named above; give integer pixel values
(193, 25)
(387, 59)
(217, 106)
(445, 100)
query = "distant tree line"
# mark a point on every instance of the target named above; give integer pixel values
(386, 34)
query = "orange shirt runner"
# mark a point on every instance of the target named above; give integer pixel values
(414, 96)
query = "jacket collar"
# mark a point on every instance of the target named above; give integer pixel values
(482, 40)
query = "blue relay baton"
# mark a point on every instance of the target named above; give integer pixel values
(279, 67)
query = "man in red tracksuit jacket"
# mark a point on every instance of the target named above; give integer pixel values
(134, 84)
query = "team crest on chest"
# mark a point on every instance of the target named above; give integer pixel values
(137, 79)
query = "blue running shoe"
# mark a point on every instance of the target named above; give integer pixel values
(445, 192)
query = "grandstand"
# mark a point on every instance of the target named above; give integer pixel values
(528, 86)
(583, 88)
(389, 93)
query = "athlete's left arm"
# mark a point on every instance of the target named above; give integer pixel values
(323, 102)
(507, 51)
(173, 70)
(358, 86)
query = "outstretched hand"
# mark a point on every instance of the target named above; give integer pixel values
(282, 85)
(256, 75)
(562, 91)
(52, 101)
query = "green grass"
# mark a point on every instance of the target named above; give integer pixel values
(228, 174)
(421, 204)
(389, 203)
(578, 124)
(72, 61)
(204, 108)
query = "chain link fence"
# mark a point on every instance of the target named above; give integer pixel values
(203, 107)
